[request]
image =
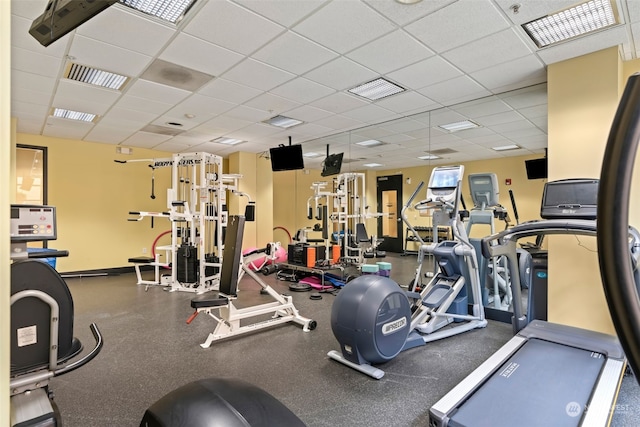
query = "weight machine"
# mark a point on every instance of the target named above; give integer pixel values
(349, 210)
(222, 307)
(197, 203)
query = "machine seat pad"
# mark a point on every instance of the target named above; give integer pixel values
(141, 260)
(216, 301)
(381, 254)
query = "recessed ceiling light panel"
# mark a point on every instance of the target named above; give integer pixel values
(377, 89)
(506, 147)
(370, 143)
(95, 76)
(457, 126)
(167, 10)
(73, 115)
(227, 141)
(283, 122)
(372, 165)
(311, 154)
(429, 157)
(576, 21)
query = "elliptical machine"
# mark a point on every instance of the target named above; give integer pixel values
(42, 342)
(374, 320)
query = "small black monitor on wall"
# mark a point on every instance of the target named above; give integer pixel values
(536, 168)
(332, 164)
(286, 158)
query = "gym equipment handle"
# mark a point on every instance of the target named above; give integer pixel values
(97, 336)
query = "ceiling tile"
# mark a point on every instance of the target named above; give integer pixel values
(133, 116)
(156, 92)
(308, 113)
(128, 30)
(65, 128)
(302, 90)
(294, 53)
(272, 104)
(284, 12)
(512, 74)
(249, 114)
(36, 110)
(29, 9)
(145, 140)
(407, 101)
(341, 73)
(36, 63)
(34, 82)
(482, 53)
(425, 73)
(94, 53)
(338, 103)
(191, 52)
(217, 22)
(131, 102)
(202, 107)
(86, 92)
(453, 91)
(403, 14)
(108, 134)
(258, 75)
(370, 114)
(340, 122)
(390, 52)
(344, 25)
(478, 18)
(229, 91)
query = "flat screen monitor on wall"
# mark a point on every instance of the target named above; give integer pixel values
(536, 168)
(286, 158)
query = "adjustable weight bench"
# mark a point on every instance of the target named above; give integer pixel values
(221, 307)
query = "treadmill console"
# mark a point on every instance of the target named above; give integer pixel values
(570, 199)
(30, 223)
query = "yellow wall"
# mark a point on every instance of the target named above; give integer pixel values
(257, 183)
(583, 97)
(5, 179)
(93, 196)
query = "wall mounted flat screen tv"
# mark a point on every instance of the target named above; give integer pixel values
(536, 168)
(286, 158)
(332, 164)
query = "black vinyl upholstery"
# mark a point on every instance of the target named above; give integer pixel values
(219, 402)
(31, 311)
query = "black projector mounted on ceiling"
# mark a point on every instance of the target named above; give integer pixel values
(63, 16)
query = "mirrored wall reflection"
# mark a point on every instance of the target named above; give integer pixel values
(509, 124)
(31, 175)
(491, 128)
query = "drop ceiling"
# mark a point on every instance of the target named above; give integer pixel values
(457, 60)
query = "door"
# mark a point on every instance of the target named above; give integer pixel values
(389, 194)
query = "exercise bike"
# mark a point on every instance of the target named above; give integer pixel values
(374, 320)
(42, 342)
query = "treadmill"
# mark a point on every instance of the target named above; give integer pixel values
(547, 374)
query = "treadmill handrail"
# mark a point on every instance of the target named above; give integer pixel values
(535, 228)
(616, 269)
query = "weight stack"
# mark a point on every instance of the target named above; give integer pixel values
(187, 264)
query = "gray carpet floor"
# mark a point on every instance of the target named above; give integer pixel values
(149, 350)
